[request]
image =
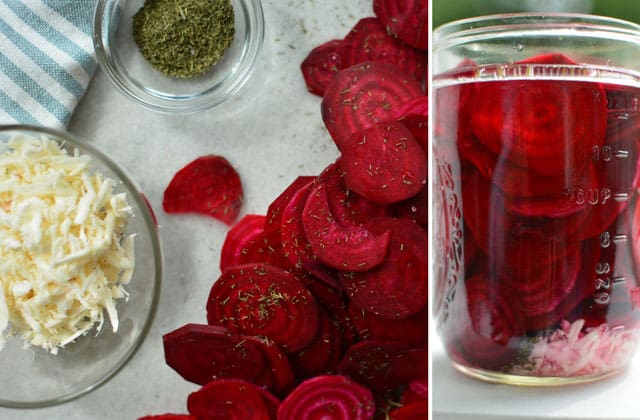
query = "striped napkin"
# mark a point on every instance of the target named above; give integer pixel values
(46, 59)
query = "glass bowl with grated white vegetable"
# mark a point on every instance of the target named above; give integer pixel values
(80, 267)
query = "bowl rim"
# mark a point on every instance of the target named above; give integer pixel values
(135, 194)
(252, 9)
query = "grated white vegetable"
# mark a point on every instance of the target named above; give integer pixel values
(570, 351)
(62, 262)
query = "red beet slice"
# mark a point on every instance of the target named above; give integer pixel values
(351, 248)
(260, 299)
(276, 363)
(319, 67)
(347, 207)
(168, 416)
(384, 163)
(414, 208)
(364, 95)
(370, 41)
(544, 125)
(369, 326)
(397, 288)
(413, 411)
(201, 353)
(323, 354)
(383, 365)
(208, 185)
(229, 399)
(239, 239)
(407, 19)
(328, 396)
(295, 244)
(415, 115)
(273, 223)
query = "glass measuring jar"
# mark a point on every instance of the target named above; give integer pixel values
(536, 130)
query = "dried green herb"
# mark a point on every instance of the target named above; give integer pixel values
(184, 38)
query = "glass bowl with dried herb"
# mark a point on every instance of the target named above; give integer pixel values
(178, 56)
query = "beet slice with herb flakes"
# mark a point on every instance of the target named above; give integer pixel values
(260, 299)
(328, 396)
(364, 95)
(383, 365)
(397, 288)
(209, 185)
(384, 163)
(369, 326)
(201, 353)
(273, 223)
(295, 244)
(277, 364)
(324, 353)
(406, 19)
(322, 63)
(230, 399)
(347, 207)
(239, 239)
(349, 248)
(369, 40)
(168, 416)
(415, 116)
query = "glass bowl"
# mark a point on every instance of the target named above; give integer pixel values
(119, 57)
(37, 378)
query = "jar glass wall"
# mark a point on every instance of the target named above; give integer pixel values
(536, 130)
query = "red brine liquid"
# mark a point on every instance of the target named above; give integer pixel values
(536, 228)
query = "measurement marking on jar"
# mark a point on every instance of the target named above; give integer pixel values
(621, 197)
(619, 280)
(620, 239)
(617, 327)
(621, 154)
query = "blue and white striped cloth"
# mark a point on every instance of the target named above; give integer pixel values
(46, 59)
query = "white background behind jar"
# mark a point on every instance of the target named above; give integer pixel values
(271, 132)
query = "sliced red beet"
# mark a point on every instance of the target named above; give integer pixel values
(413, 411)
(209, 185)
(415, 115)
(276, 364)
(273, 223)
(349, 248)
(230, 399)
(295, 243)
(347, 207)
(323, 354)
(319, 67)
(412, 331)
(383, 365)
(384, 163)
(328, 396)
(546, 126)
(239, 239)
(414, 208)
(370, 41)
(406, 19)
(260, 299)
(201, 353)
(364, 95)
(397, 288)
(168, 416)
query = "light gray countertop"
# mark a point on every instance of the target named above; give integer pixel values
(271, 132)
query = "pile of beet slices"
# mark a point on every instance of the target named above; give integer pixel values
(320, 309)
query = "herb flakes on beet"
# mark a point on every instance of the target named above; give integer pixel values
(201, 353)
(322, 63)
(406, 19)
(384, 163)
(209, 185)
(348, 248)
(364, 95)
(261, 299)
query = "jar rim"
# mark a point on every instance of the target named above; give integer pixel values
(459, 30)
